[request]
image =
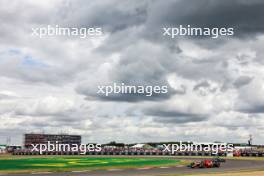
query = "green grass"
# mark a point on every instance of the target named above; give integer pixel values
(59, 163)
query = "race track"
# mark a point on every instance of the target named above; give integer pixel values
(229, 165)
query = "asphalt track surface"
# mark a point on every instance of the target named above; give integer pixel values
(229, 165)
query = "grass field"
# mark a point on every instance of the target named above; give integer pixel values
(29, 164)
(13, 164)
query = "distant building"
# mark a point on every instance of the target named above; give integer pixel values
(52, 138)
(2, 149)
(142, 146)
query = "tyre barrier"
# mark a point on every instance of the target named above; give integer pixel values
(131, 153)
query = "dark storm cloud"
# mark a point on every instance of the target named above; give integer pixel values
(246, 17)
(131, 22)
(112, 15)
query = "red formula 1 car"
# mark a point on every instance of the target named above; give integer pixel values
(207, 163)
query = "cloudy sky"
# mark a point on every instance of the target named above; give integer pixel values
(216, 85)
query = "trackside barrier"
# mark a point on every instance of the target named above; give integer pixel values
(160, 153)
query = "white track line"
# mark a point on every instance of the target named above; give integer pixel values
(41, 173)
(180, 166)
(164, 167)
(114, 169)
(144, 168)
(80, 171)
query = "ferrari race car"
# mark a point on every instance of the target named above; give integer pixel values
(207, 163)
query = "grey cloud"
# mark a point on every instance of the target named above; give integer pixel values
(142, 64)
(244, 16)
(204, 88)
(112, 16)
(17, 19)
(164, 116)
(253, 109)
(250, 99)
(4, 96)
(14, 66)
(91, 94)
(170, 112)
(116, 16)
(240, 15)
(202, 84)
(242, 80)
(133, 97)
